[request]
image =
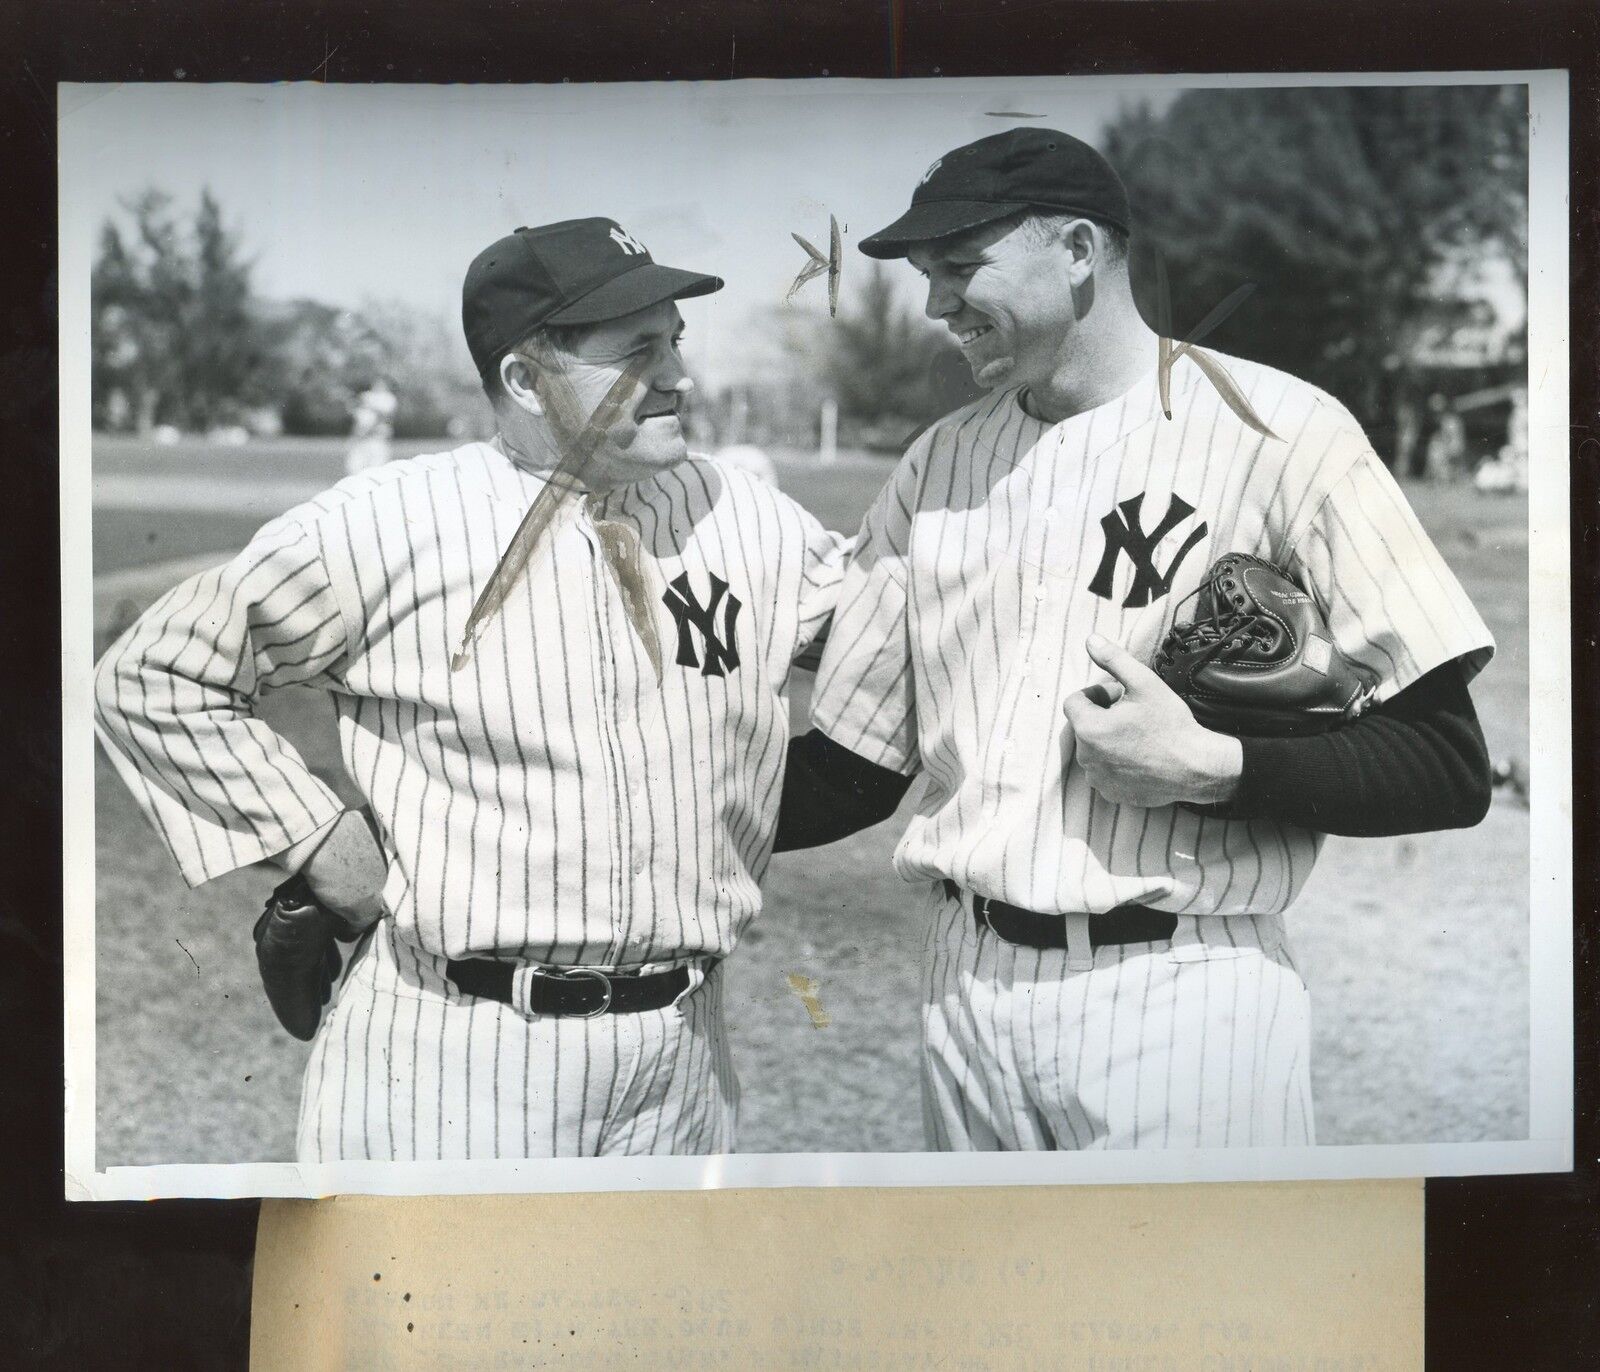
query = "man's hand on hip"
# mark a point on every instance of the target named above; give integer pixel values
(1138, 743)
(347, 871)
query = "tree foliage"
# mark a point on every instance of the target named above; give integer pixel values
(173, 328)
(179, 337)
(1345, 206)
(426, 364)
(889, 370)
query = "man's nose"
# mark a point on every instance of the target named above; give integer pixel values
(942, 300)
(671, 377)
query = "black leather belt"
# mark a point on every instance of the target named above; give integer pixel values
(584, 991)
(1125, 924)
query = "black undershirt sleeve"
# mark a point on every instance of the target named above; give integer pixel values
(830, 793)
(1413, 765)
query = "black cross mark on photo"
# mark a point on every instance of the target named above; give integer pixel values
(687, 611)
(1125, 533)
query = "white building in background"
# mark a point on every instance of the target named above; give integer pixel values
(1483, 315)
(1470, 352)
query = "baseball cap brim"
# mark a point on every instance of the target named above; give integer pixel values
(646, 285)
(935, 219)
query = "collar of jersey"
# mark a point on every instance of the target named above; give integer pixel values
(1183, 377)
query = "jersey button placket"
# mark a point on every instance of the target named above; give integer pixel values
(610, 694)
(636, 785)
(1040, 531)
(1048, 527)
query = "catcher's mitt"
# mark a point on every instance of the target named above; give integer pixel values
(297, 949)
(1258, 658)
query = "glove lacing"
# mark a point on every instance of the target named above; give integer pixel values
(1226, 628)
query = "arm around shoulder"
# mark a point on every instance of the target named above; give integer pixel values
(830, 793)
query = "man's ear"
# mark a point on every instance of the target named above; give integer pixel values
(517, 380)
(1083, 247)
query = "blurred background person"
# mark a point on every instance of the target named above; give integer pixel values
(372, 426)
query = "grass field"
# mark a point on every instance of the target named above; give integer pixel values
(1415, 949)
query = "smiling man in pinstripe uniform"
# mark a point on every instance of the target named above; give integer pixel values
(1106, 963)
(564, 837)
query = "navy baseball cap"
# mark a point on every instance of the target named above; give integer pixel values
(578, 271)
(1020, 169)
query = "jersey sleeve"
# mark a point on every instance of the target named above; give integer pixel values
(821, 575)
(865, 694)
(1391, 601)
(175, 704)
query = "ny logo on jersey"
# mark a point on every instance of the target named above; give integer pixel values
(721, 654)
(1124, 531)
(626, 241)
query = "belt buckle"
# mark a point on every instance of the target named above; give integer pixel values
(983, 914)
(573, 973)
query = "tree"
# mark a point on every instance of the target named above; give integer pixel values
(228, 366)
(890, 371)
(325, 357)
(132, 356)
(179, 337)
(174, 335)
(1345, 207)
(427, 365)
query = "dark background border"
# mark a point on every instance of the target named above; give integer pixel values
(1511, 1263)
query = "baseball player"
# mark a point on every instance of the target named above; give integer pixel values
(563, 837)
(372, 426)
(1104, 879)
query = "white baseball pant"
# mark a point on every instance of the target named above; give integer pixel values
(1192, 1044)
(405, 1067)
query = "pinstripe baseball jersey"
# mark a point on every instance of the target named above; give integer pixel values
(1003, 541)
(549, 801)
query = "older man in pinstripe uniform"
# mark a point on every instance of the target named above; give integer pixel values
(567, 833)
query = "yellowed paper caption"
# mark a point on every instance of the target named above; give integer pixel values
(1290, 1275)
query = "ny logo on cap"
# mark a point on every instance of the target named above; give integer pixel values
(626, 241)
(937, 163)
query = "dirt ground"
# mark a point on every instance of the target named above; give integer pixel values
(1415, 949)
